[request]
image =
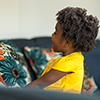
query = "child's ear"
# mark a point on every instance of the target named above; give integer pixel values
(68, 43)
(65, 45)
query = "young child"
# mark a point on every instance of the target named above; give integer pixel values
(75, 32)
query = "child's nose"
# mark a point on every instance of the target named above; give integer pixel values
(52, 33)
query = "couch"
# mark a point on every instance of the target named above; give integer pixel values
(23, 51)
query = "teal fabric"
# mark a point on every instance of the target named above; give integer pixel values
(13, 69)
(39, 57)
(6, 67)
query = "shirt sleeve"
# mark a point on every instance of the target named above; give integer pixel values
(64, 66)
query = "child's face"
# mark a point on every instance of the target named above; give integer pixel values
(57, 39)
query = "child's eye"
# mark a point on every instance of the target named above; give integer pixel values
(55, 33)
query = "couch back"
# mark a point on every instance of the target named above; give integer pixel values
(92, 59)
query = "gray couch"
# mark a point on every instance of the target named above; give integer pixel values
(91, 60)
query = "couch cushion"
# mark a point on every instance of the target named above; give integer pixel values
(39, 57)
(2, 82)
(21, 43)
(89, 85)
(43, 42)
(13, 68)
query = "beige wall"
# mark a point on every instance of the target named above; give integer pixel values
(32, 18)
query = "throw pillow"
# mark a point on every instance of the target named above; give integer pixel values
(13, 69)
(2, 82)
(89, 85)
(97, 92)
(39, 57)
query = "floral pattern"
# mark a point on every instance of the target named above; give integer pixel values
(13, 69)
(2, 81)
(12, 72)
(89, 85)
(39, 57)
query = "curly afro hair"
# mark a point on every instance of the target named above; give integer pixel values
(79, 28)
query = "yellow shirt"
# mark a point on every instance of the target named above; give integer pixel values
(71, 83)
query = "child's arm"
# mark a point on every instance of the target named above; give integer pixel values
(47, 79)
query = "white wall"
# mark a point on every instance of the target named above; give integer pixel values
(33, 18)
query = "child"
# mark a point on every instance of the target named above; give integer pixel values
(75, 32)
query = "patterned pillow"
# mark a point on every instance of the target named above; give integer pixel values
(97, 92)
(89, 85)
(2, 82)
(39, 57)
(13, 69)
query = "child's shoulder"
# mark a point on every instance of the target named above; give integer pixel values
(76, 56)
